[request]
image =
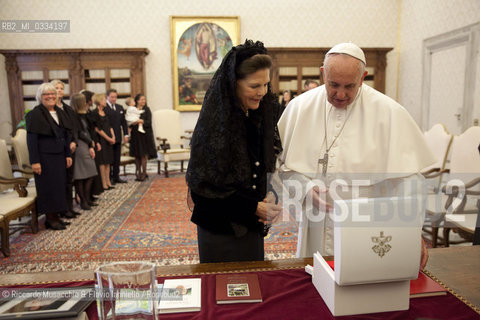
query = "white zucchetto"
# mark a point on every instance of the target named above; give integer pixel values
(350, 49)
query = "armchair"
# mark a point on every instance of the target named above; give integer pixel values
(455, 207)
(463, 199)
(20, 148)
(439, 140)
(125, 158)
(167, 130)
(15, 203)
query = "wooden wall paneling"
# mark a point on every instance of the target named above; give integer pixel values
(313, 57)
(75, 62)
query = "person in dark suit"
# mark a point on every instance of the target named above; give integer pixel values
(116, 115)
(50, 154)
(72, 133)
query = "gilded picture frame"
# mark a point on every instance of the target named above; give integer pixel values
(198, 45)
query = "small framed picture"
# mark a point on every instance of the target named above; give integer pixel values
(45, 303)
(238, 290)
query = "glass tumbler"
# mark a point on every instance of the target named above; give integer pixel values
(126, 290)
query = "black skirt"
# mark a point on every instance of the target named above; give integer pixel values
(50, 184)
(216, 247)
(105, 156)
(142, 144)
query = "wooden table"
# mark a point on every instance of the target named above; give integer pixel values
(162, 271)
(458, 268)
(455, 267)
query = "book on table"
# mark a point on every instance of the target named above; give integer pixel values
(423, 286)
(238, 288)
(181, 295)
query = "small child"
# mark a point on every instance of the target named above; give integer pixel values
(133, 114)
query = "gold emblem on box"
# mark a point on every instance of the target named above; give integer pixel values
(381, 246)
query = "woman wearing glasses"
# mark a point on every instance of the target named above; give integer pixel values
(50, 154)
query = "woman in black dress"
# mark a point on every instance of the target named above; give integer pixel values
(106, 138)
(142, 145)
(232, 149)
(50, 155)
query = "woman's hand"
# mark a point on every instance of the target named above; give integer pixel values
(92, 152)
(69, 162)
(73, 147)
(112, 140)
(99, 146)
(37, 168)
(268, 212)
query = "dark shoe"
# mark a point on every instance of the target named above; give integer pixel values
(54, 225)
(120, 181)
(68, 215)
(85, 206)
(65, 223)
(75, 212)
(92, 204)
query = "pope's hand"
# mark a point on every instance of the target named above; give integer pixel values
(317, 197)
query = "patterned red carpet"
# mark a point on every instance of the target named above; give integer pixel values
(136, 221)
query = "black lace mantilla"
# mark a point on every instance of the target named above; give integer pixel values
(219, 163)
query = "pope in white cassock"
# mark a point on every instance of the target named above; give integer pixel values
(346, 127)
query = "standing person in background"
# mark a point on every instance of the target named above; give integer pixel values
(133, 114)
(233, 147)
(97, 187)
(106, 138)
(287, 96)
(310, 84)
(88, 97)
(142, 144)
(85, 168)
(73, 136)
(116, 115)
(50, 154)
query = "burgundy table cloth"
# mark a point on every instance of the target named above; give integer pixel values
(290, 294)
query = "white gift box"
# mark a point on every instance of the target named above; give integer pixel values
(375, 258)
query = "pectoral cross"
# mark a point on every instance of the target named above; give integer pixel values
(324, 162)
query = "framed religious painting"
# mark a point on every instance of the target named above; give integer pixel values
(198, 47)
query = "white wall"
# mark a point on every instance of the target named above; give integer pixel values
(422, 19)
(145, 23)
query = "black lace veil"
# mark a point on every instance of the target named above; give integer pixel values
(219, 164)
